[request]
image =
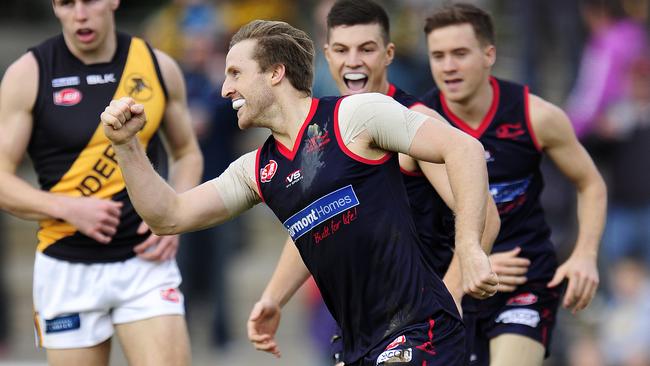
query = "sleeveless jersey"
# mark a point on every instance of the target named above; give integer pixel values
(513, 160)
(434, 221)
(350, 219)
(69, 150)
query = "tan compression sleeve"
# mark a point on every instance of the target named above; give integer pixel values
(237, 185)
(391, 125)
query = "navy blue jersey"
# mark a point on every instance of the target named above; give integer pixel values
(513, 160)
(351, 222)
(434, 221)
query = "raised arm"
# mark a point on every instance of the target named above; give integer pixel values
(93, 217)
(555, 135)
(165, 211)
(186, 158)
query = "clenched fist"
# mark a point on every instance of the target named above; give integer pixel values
(122, 119)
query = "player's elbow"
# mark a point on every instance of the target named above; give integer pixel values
(163, 228)
(470, 147)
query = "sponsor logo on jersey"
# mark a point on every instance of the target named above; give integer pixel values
(293, 178)
(396, 342)
(317, 138)
(267, 173)
(171, 295)
(519, 316)
(67, 97)
(63, 323)
(100, 79)
(509, 191)
(395, 356)
(527, 298)
(138, 87)
(510, 131)
(321, 210)
(65, 81)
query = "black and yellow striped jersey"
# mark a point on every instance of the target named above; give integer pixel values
(69, 150)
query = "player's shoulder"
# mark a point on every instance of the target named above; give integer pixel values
(357, 100)
(549, 122)
(22, 71)
(171, 72)
(19, 84)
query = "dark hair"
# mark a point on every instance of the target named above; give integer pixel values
(461, 13)
(280, 43)
(354, 12)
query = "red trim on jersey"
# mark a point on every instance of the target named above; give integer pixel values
(487, 119)
(410, 173)
(416, 104)
(428, 345)
(291, 154)
(345, 149)
(257, 173)
(528, 122)
(391, 90)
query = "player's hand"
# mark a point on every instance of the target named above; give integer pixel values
(262, 324)
(510, 268)
(156, 248)
(96, 218)
(122, 119)
(582, 273)
(479, 281)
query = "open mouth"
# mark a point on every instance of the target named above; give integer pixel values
(453, 82)
(85, 34)
(355, 81)
(238, 103)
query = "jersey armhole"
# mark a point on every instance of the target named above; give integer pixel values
(158, 71)
(528, 121)
(257, 174)
(409, 173)
(348, 152)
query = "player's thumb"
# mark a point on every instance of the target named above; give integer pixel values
(557, 278)
(143, 228)
(137, 109)
(257, 311)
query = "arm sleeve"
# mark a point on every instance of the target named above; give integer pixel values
(237, 186)
(391, 126)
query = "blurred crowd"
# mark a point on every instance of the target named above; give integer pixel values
(590, 56)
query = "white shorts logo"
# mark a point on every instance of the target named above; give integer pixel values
(395, 355)
(519, 316)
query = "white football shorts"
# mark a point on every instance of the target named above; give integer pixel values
(76, 304)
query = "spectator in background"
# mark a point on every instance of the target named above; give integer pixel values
(167, 27)
(615, 42)
(626, 126)
(624, 335)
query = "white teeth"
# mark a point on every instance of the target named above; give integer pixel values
(355, 76)
(238, 103)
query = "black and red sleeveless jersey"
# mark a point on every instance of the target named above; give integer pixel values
(70, 152)
(434, 221)
(350, 219)
(513, 159)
